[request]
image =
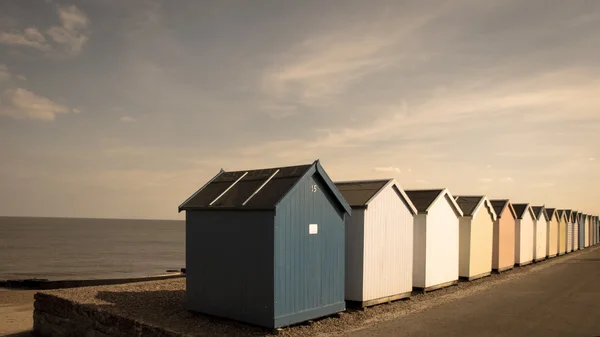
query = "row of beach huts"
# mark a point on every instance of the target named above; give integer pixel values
(279, 246)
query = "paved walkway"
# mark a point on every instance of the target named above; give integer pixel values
(560, 300)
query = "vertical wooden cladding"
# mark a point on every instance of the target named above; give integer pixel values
(586, 226)
(553, 223)
(435, 239)
(569, 221)
(524, 234)
(476, 234)
(379, 241)
(580, 220)
(575, 231)
(562, 233)
(388, 247)
(441, 255)
(309, 269)
(503, 250)
(541, 232)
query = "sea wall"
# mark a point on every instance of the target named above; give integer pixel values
(44, 284)
(58, 317)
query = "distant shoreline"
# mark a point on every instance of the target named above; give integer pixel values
(85, 218)
(44, 284)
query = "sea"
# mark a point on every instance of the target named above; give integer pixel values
(78, 249)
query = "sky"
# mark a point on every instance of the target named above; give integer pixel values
(123, 109)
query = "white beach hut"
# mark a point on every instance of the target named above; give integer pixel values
(476, 236)
(569, 219)
(379, 241)
(540, 225)
(435, 259)
(574, 219)
(523, 234)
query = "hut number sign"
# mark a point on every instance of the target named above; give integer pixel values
(313, 228)
(313, 188)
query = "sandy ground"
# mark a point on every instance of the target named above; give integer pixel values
(16, 312)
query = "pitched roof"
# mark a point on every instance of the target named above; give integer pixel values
(470, 205)
(502, 205)
(538, 211)
(361, 192)
(520, 210)
(254, 189)
(550, 213)
(561, 214)
(423, 199)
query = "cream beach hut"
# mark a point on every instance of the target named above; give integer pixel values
(476, 234)
(553, 222)
(435, 253)
(562, 232)
(541, 231)
(523, 234)
(503, 248)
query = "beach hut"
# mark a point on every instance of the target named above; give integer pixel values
(597, 231)
(580, 220)
(266, 246)
(540, 241)
(524, 234)
(569, 221)
(586, 226)
(379, 241)
(476, 235)
(562, 232)
(575, 219)
(435, 259)
(553, 222)
(503, 248)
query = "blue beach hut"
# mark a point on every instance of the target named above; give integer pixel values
(266, 246)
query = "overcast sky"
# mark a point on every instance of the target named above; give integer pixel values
(125, 108)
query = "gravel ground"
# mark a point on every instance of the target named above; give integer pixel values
(161, 303)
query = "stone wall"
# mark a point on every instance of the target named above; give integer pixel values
(58, 317)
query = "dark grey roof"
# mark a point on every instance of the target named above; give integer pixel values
(520, 210)
(233, 194)
(499, 206)
(468, 204)
(358, 193)
(561, 213)
(538, 211)
(550, 212)
(422, 199)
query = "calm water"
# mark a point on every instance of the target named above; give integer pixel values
(59, 248)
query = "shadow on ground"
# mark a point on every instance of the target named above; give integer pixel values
(167, 309)
(21, 334)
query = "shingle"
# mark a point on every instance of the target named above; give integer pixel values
(249, 183)
(357, 193)
(468, 204)
(520, 210)
(422, 199)
(499, 206)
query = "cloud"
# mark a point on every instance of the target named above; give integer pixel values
(127, 119)
(591, 159)
(507, 180)
(387, 169)
(75, 110)
(30, 37)
(4, 74)
(72, 33)
(23, 104)
(486, 180)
